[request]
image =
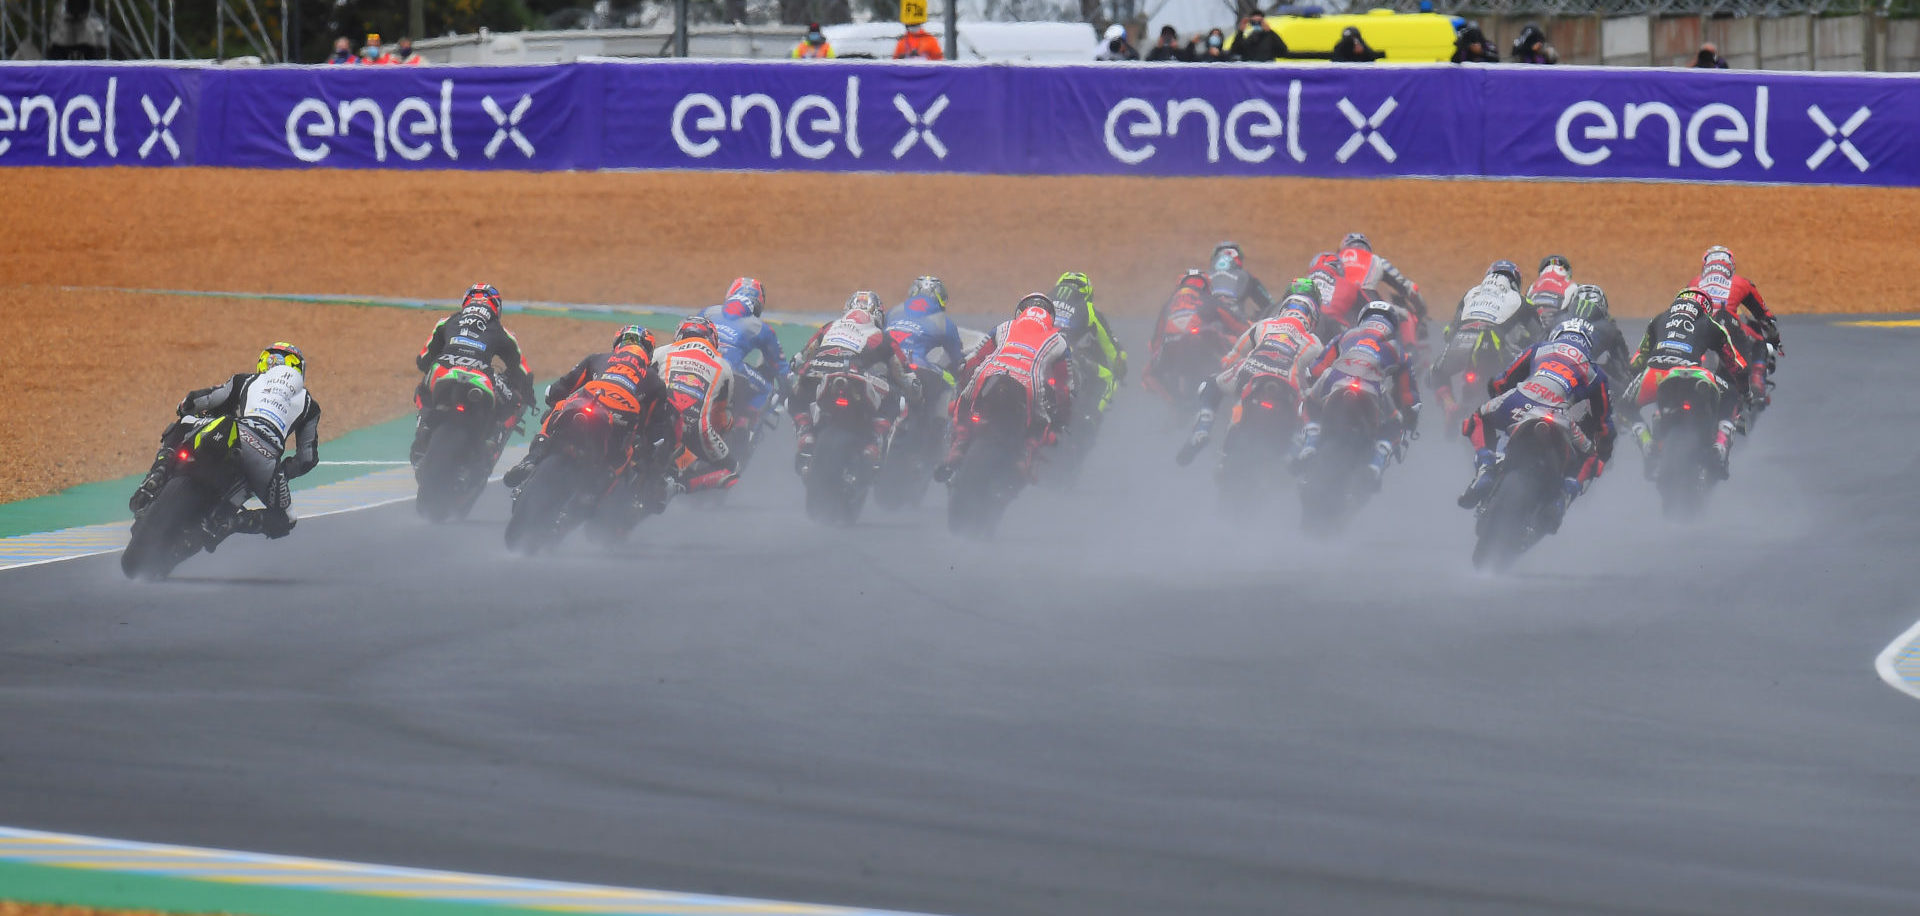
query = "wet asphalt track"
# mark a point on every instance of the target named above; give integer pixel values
(1125, 705)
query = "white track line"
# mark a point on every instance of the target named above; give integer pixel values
(1899, 663)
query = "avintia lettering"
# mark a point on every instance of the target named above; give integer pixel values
(1587, 130)
(1245, 131)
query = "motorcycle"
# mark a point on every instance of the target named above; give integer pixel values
(462, 411)
(1333, 481)
(919, 442)
(1184, 358)
(1526, 481)
(195, 511)
(1686, 420)
(840, 474)
(989, 475)
(586, 466)
(1259, 436)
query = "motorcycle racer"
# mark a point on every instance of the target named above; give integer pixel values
(1730, 293)
(700, 388)
(1491, 314)
(1692, 327)
(743, 332)
(1369, 358)
(856, 341)
(1233, 284)
(268, 405)
(1191, 312)
(472, 339)
(622, 381)
(1556, 375)
(1284, 344)
(1367, 275)
(1087, 335)
(1029, 350)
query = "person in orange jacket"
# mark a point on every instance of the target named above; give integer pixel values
(918, 43)
(814, 45)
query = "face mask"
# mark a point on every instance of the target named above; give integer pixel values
(1255, 27)
(816, 37)
(1213, 41)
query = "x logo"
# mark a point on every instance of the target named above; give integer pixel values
(1366, 130)
(162, 127)
(920, 126)
(507, 125)
(1842, 132)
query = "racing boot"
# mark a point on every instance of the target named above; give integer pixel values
(518, 474)
(1202, 432)
(149, 489)
(1304, 446)
(421, 433)
(1482, 482)
(1377, 467)
(803, 430)
(274, 523)
(882, 436)
(1550, 518)
(1722, 447)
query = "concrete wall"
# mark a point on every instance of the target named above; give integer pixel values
(1751, 43)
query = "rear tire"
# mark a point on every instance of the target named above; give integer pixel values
(534, 525)
(831, 500)
(158, 543)
(439, 473)
(1503, 529)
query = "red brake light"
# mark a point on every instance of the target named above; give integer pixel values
(1471, 377)
(840, 402)
(587, 410)
(976, 418)
(1193, 329)
(460, 407)
(1685, 406)
(1266, 405)
(184, 454)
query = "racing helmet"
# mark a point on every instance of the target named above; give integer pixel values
(1717, 255)
(1695, 296)
(1227, 256)
(1196, 281)
(868, 301)
(1356, 240)
(749, 291)
(698, 327)
(281, 353)
(1587, 301)
(483, 292)
(1508, 269)
(1575, 331)
(635, 335)
(1306, 304)
(1036, 305)
(1381, 310)
(929, 287)
(1301, 286)
(1074, 288)
(1556, 260)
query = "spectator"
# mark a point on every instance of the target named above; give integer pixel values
(1351, 48)
(814, 45)
(1117, 48)
(342, 52)
(403, 53)
(1169, 47)
(1470, 46)
(918, 43)
(1210, 50)
(372, 53)
(1709, 58)
(1257, 42)
(1532, 48)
